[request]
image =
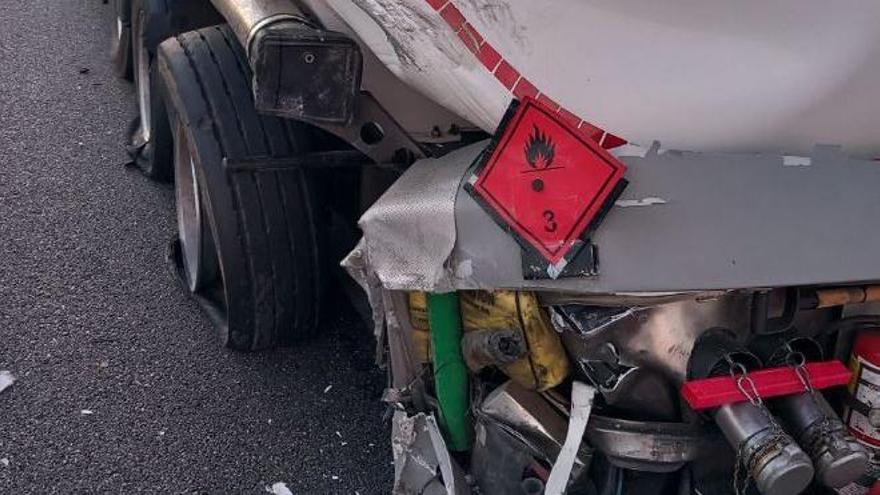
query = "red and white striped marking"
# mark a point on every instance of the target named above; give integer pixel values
(511, 78)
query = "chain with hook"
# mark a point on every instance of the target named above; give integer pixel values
(744, 382)
(798, 362)
(740, 374)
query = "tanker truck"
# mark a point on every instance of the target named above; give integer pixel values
(605, 247)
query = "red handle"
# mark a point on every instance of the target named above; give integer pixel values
(771, 382)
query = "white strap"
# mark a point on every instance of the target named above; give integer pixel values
(581, 406)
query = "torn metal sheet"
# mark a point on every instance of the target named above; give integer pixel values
(727, 222)
(6, 380)
(498, 460)
(421, 459)
(530, 418)
(658, 338)
(409, 232)
(358, 268)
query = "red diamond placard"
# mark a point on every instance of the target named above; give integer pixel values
(545, 181)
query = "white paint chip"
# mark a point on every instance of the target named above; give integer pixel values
(279, 488)
(796, 161)
(86, 412)
(649, 201)
(630, 150)
(464, 269)
(327, 389)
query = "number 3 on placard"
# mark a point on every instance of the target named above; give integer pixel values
(550, 219)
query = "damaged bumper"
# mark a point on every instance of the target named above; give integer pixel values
(711, 270)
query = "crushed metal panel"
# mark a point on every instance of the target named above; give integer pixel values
(726, 221)
(422, 464)
(409, 232)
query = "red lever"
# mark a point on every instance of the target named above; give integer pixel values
(771, 382)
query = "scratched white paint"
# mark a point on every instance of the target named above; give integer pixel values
(722, 76)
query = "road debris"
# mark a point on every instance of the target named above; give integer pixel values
(279, 488)
(87, 412)
(6, 379)
(4, 462)
(328, 388)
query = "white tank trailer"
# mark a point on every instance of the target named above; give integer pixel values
(607, 247)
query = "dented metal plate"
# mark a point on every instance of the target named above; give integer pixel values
(687, 222)
(701, 221)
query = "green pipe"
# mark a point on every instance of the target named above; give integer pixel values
(450, 372)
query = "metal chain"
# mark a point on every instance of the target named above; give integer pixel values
(798, 362)
(741, 477)
(746, 463)
(744, 382)
(742, 472)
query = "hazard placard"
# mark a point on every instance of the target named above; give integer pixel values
(544, 181)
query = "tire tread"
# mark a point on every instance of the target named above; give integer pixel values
(273, 208)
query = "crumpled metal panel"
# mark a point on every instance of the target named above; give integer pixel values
(659, 338)
(422, 464)
(410, 231)
(687, 222)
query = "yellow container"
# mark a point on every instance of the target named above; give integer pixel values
(545, 364)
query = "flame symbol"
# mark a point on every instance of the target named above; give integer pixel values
(540, 146)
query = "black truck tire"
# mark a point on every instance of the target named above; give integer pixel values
(259, 220)
(120, 43)
(152, 22)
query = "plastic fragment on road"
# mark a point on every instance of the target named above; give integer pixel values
(422, 464)
(581, 406)
(279, 488)
(6, 380)
(86, 412)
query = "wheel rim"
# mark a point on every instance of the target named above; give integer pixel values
(142, 61)
(191, 228)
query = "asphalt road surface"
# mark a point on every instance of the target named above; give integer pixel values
(122, 386)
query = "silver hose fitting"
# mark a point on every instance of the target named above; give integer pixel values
(838, 458)
(764, 451)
